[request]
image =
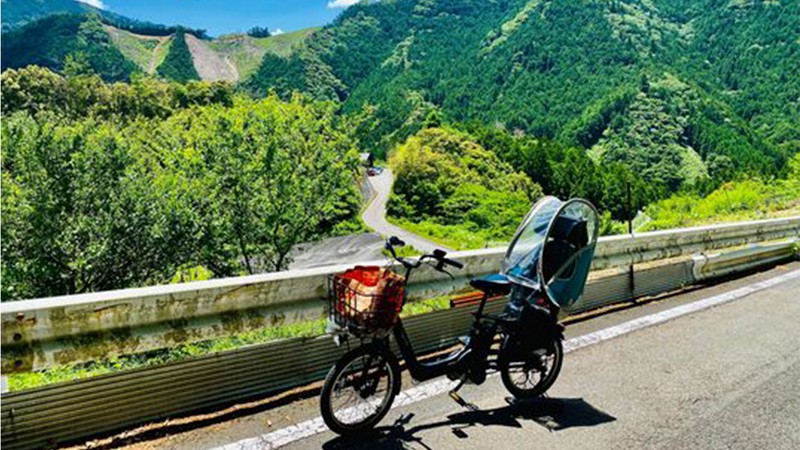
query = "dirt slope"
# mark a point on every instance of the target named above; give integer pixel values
(209, 64)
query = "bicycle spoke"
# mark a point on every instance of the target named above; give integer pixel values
(361, 390)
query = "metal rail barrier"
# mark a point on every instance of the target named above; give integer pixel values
(40, 333)
(79, 409)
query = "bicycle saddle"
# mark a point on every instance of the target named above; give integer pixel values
(495, 284)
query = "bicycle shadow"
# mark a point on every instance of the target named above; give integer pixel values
(554, 414)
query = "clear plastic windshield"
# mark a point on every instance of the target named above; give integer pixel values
(525, 250)
(568, 251)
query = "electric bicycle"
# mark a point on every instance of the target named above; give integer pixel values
(545, 270)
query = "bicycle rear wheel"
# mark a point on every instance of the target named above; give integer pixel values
(533, 375)
(359, 390)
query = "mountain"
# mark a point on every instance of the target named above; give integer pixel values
(116, 47)
(674, 88)
(56, 39)
(19, 12)
(677, 90)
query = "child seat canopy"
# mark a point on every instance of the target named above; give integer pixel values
(553, 248)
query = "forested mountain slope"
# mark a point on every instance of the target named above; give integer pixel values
(55, 40)
(675, 88)
(116, 47)
(19, 12)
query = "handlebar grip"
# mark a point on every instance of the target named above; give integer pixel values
(454, 263)
(396, 241)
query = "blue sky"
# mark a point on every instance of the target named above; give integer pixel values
(228, 16)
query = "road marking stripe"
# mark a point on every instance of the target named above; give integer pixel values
(425, 391)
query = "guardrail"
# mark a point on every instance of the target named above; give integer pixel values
(40, 333)
(74, 328)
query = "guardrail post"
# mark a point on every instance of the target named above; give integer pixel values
(631, 276)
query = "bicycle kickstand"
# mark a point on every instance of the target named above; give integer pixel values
(460, 400)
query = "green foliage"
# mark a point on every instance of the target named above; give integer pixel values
(17, 13)
(663, 90)
(189, 274)
(35, 89)
(403, 252)
(178, 64)
(90, 204)
(49, 41)
(733, 201)
(748, 55)
(446, 181)
(142, 50)
(589, 127)
(259, 32)
(568, 172)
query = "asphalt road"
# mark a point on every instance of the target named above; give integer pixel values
(723, 378)
(352, 249)
(375, 215)
(365, 246)
(726, 377)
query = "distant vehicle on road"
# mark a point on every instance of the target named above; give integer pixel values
(373, 171)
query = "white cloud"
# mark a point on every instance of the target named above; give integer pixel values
(276, 32)
(96, 3)
(341, 3)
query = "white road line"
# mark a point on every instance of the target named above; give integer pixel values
(425, 391)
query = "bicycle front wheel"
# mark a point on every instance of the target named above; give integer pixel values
(359, 390)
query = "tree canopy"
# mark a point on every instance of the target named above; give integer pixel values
(94, 203)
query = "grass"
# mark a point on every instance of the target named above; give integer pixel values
(452, 236)
(159, 54)
(58, 374)
(284, 44)
(246, 52)
(732, 202)
(403, 252)
(139, 49)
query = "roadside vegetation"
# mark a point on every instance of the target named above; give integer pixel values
(127, 190)
(307, 329)
(445, 193)
(449, 182)
(747, 199)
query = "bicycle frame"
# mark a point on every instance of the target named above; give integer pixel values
(459, 363)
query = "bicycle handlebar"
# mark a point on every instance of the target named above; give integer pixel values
(439, 255)
(454, 263)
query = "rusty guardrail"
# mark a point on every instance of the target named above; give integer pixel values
(75, 410)
(44, 332)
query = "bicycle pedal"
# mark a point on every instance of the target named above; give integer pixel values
(461, 402)
(457, 398)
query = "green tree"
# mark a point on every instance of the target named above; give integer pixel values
(448, 184)
(93, 205)
(178, 64)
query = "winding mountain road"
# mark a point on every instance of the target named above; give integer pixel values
(375, 215)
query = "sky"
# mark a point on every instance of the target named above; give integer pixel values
(229, 16)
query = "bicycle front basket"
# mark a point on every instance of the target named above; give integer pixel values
(366, 299)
